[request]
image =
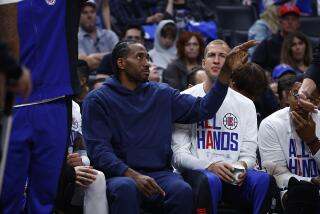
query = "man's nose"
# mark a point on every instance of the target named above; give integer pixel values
(216, 59)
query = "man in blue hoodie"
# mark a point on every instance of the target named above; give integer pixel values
(127, 125)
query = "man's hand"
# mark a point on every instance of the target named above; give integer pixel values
(241, 178)
(23, 86)
(307, 87)
(74, 160)
(155, 18)
(223, 171)
(235, 59)
(305, 128)
(93, 60)
(85, 175)
(147, 185)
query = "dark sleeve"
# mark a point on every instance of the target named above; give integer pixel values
(99, 143)
(172, 77)
(9, 65)
(161, 6)
(189, 109)
(313, 71)
(260, 55)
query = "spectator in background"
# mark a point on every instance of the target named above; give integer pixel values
(296, 52)
(253, 84)
(164, 48)
(280, 72)
(184, 10)
(154, 73)
(213, 145)
(81, 188)
(103, 14)
(284, 85)
(289, 147)
(250, 81)
(130, 12)
(264, 27)
(83, 74)
(133, 32)
(307, 7)
(190, 46)
(198, 75)
(311, 82)
(93, 42)
(267, 53)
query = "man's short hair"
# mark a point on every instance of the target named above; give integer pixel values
(83, 69)
(191, 78)
(216, 42)
(90, 3)
(286, 82)
(250, 79)
(133, 26)
(121, 50)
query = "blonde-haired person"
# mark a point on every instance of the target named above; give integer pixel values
(296, 51)
(264, 27)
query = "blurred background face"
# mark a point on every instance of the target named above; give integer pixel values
(166, 42)
(289, 23)
(191, 48)
(293, 99)
(135, 35)
(88, 19)
(154, 73)
(298, 49)
(214, 59)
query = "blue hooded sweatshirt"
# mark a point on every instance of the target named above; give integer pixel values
(124, 128)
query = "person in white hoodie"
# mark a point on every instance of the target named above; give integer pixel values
(164, 46)
(211, 147)
(81, 185)
(289, 146)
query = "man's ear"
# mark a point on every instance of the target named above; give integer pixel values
(121, 63)
(232, 85)
(203, 63)
(83, 81)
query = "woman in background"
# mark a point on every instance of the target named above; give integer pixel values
(264, 27)
(190, 47)
(296, 52)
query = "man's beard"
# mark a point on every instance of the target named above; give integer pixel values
(88, 28)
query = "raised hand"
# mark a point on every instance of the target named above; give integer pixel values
(236, 58)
